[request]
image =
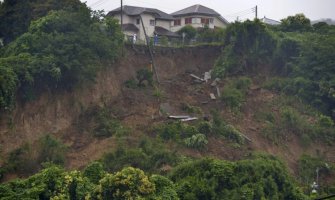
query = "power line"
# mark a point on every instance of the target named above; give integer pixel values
(249, 10)
(97, 3)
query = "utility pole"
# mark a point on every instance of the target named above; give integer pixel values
(256, 12)
(121, 14)
(122, 24)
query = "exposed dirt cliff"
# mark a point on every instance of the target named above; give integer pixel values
(62, 114)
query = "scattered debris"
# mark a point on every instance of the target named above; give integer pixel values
(245, 137)
(207, 76)
(215, 82)
(189, 119)
(218, 91)
(179, 116)
(212, 96)
(197, 77)
(204, 102)
(183, 118)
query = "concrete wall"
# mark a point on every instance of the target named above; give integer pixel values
(164, 23)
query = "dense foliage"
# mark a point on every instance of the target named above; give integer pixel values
(23, 12)
(58, 51)
(301, 54)
(260, 178)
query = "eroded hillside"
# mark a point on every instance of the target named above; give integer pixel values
(69, 116)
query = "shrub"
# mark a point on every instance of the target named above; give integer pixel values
(242, 83)
(131, 83)
(21, 160)
(169, 131)
(164, 41)
(233, 98)
(205, 127)
(165, 189)
(94, 172)
(60, 50)
(190, 109)
(106, 124)
(129, 183)
(197, 141)
(51, 150)
(144, 75)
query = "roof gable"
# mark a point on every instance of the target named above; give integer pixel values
(133, 11)
(196, 9)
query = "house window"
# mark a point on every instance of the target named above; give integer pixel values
(188, 20)
(196, 20)
(152, 22)
(204, 20)
(211, 21)
(177, 22)
(137, 21)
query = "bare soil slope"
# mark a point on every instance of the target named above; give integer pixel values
(59, 114)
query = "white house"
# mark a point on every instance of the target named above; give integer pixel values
(269, 21)
(154, 21)
(197, 16)
(163, 24)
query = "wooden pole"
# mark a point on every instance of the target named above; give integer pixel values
(150, 51)
(122, 25)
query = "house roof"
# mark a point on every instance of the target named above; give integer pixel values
(198, 10)
(130, 27)
(133, 11)
(270, 21)
(164, 32)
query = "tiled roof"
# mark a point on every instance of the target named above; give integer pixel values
(196, 9)
(133, 10)
(164, 32)
(270, 21)
(129, 27)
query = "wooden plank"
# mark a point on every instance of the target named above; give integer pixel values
(218, 91)
(197, 77)
(245, 137)
(189, 119)
(179, 116)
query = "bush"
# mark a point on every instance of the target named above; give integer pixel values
(60, 50)
(165, 189)
(260, 178)
(106, 125)
(220, 127)
(94, 172)
(233, 98)
(197, 141)
(129, 183)
(205, 127)
(51, 150)
(144, 75)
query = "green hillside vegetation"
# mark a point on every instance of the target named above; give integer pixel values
(258, 178)
(60, 50)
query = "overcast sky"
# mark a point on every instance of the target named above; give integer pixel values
(274, 9)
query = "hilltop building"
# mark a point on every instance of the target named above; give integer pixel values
(163, 24)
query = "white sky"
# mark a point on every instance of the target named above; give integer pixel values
(274, 9)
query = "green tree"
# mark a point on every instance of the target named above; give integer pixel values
(130, 183)
(23, 12)
(60, 50)
(296, 23)
(189, 32)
